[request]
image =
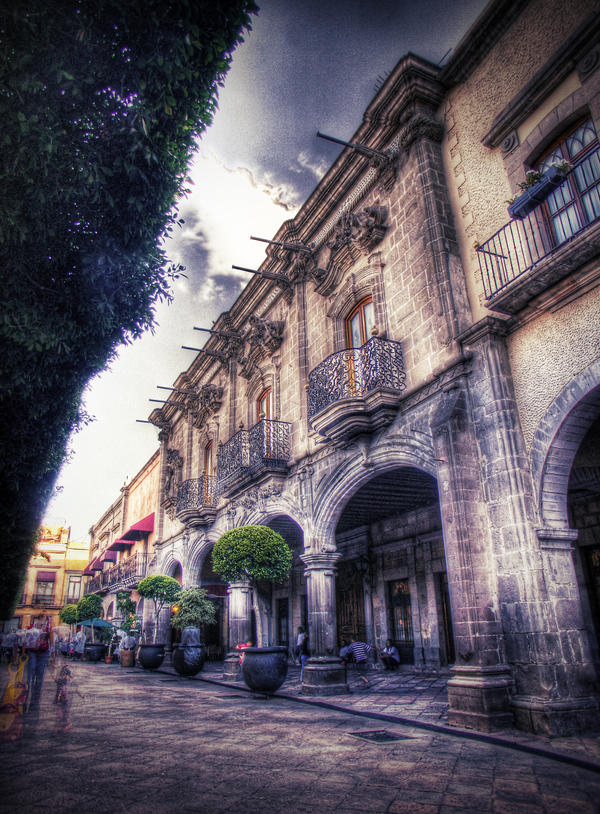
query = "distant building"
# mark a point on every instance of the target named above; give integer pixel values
(410, 393)
(54, 577)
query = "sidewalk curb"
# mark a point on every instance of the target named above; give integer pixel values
(482, 737)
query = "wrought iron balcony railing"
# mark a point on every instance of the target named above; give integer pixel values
(356, 372)
(196, 499)
(265, 447)
(521, 244)
(124, 575)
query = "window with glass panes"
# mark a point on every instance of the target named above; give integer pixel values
(360, 323)
(576, 202)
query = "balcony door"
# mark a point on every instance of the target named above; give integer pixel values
(208, 473)
(264, 413)
(360, 323)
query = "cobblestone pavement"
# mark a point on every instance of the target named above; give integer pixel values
(153, 742)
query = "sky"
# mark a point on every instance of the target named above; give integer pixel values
(306, 65)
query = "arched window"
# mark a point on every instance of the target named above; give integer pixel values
(360, 323)
(264, 405)
(576, 202)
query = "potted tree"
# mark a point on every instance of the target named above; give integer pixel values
(162, 590)
(89, 609)
(193, 610)
(260, 556)
(126, 606)
(68, 615)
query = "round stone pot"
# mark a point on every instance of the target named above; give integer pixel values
(94, 651)
(127, 658)
(264, 669)
(188, 659)
(150, 656)
(189, 656)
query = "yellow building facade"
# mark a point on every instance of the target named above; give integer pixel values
(54, 577)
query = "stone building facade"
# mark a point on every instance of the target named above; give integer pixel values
(410, 390)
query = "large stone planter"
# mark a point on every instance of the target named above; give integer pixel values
(150, 656)
(94, 651)
(190, 655)
(264, 669)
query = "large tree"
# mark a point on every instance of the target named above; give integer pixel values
(101, 103)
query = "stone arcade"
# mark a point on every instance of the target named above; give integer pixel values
(411, 393)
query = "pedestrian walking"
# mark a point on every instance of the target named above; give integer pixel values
(63, 698)
(36, 646)
(301, 636)
(360, 651)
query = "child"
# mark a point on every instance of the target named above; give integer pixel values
(63, 700)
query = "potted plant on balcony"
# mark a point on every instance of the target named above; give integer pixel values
(535, 189)
(163, 591)
(89, 609)
(259, 555)
(193, 610)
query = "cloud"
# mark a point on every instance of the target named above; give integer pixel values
(318, 167)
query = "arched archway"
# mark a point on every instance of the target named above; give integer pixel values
(288, 602)
(391, 576)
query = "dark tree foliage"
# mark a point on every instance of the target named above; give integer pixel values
(101, 102)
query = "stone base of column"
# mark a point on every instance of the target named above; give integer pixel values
(324, 676)
(479, 698)
(231, 667)
(556, 718)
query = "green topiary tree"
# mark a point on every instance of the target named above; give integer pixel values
(102, 103)
(126, 606)
(89, 608)
(68, 614)
(162, 590)
(194, 609)
(257, 554)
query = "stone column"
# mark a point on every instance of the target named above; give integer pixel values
(538, 597)
(479, 691)
(323, 673)
(240, 607)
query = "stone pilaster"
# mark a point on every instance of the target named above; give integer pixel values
(538, 597)
(323, 673)
(240, 606)
(479, 690)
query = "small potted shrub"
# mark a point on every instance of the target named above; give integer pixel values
(259, 555)
(193, 610)
(89, 608)
(163, 591)
(126, 606)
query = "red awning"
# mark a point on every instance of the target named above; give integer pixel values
(109, 556)
(120, 545)
(140, 529)
(46, 576)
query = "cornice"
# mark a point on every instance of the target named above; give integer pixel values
(551, 74)
(474, 47)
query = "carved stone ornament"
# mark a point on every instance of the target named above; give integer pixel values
(207, 402)
(354, 235)
(587, 66)
(420, 126)
(172, 479)
(264, 337)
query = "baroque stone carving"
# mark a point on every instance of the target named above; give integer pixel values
(355, 234)
(264, 337)
(172, 479)
(205, 403)
(589, 63)
(421, 126)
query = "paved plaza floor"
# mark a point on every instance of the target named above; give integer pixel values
(150, 742)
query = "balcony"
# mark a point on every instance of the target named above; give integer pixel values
(556, 238)
(196, 501)
(123, 576)
(44, 601)
(357, 390)
(252, 454)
